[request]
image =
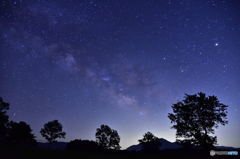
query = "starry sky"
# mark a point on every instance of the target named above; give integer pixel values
(118, 62)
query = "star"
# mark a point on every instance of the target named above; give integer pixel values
(97, 62)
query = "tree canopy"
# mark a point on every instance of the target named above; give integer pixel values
(52, 131)
(147, 137)
(107, 137)
(13, 133)
(195, 118)
(4, 106)
(150, 142)
(20, 133)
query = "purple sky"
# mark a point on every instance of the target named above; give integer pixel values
(119, 63)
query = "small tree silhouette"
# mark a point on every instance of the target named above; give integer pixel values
(107, 138)
(150, 142)
(147, 137)
(52, 130)
(4, 106)
(196, 117)
(20, 134)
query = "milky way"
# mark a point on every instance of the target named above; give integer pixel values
(121, 63)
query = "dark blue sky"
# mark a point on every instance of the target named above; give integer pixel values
(116, 62)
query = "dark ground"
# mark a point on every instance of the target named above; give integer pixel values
(26, 153)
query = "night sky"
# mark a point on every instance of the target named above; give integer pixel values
(118, 62)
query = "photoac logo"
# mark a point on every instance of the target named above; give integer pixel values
(213, 153)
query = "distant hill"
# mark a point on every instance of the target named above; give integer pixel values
(225, 148)
(164, 145)
(167, 145)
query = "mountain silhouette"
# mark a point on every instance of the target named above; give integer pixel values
(163, 145)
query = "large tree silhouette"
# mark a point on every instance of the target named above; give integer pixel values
(14, 133)
(108, 138)
(4, 106)
(195, 118)
(20, 134)
(150, 142)
(52, 130)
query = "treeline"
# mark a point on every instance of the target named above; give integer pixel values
(194, 119)
(20, 134)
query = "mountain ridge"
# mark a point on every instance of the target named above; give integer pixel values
(167, 145)
(164, 145)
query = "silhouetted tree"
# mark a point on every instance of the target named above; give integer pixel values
(20, 134)
(4, 106)
(83, 146)
(147, 137)
(196, 117)
(108, 138)
(150, 142)
(52, 130)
